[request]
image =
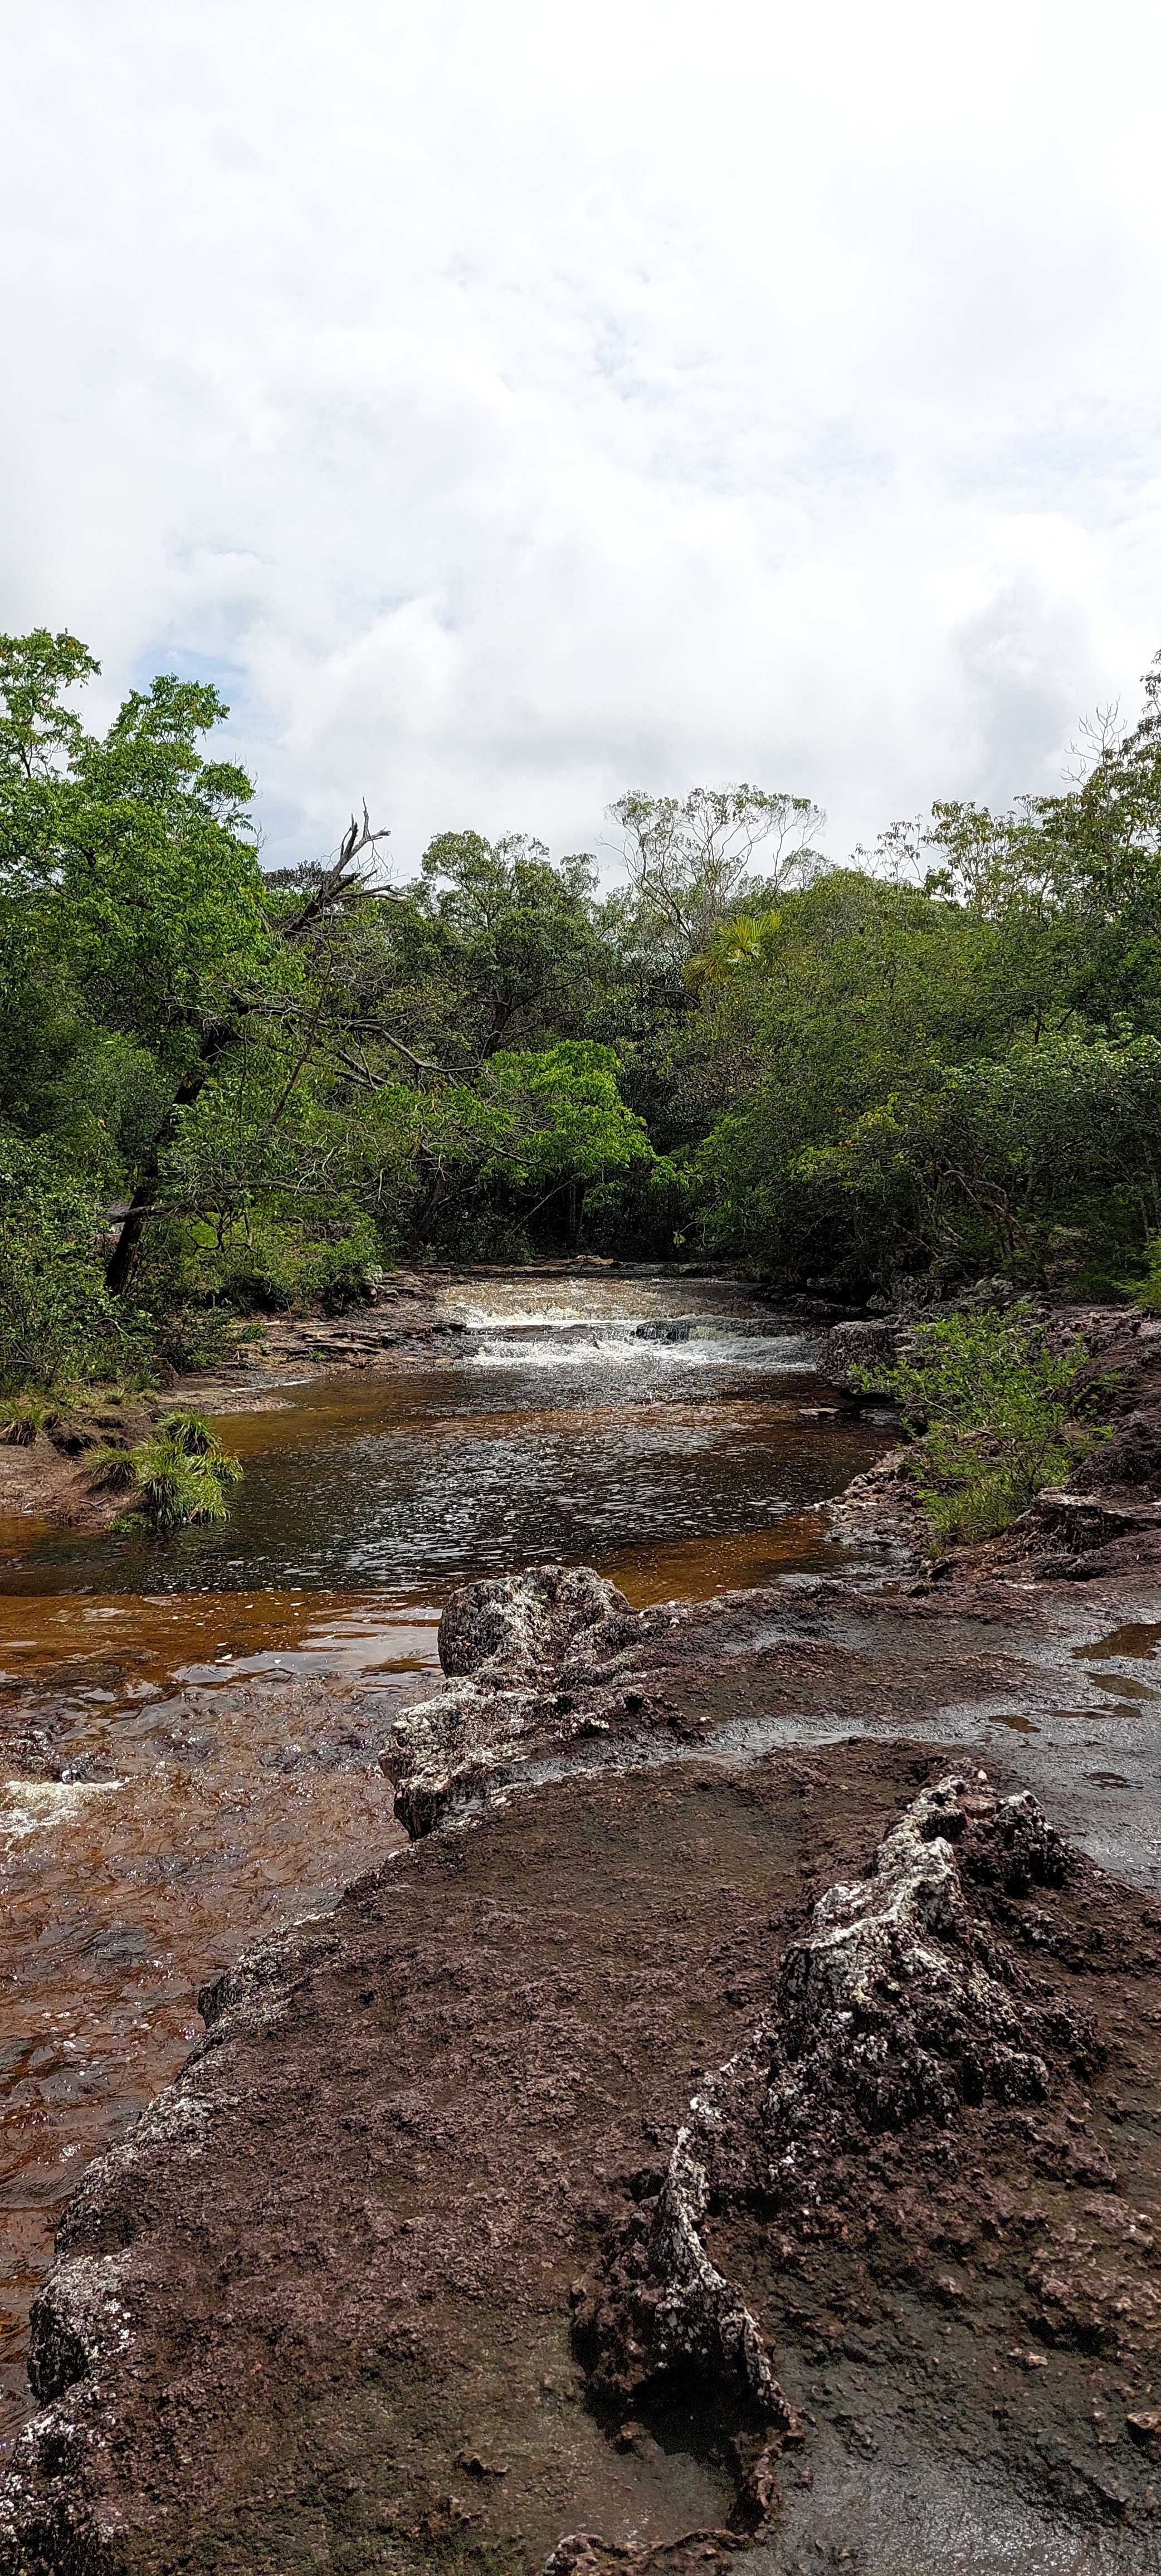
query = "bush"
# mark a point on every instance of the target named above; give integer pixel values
(178, 1477)
(191, 1338)
(1148, 1291)
(991, 1403)
(283, 1268)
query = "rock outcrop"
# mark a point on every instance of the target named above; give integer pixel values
(510, 1628)
(316, 2310)
(898, 2009)
(868, 1344)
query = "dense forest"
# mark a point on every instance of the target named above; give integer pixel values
(227, 1088)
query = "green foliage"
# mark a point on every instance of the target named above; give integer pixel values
(179, 1476)
(939, 1061)
(57, 1322)
(993, 1404)
(278, 1267)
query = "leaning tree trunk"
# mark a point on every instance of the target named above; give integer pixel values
(123, 1258)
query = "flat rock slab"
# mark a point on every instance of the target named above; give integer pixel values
(316, 2315)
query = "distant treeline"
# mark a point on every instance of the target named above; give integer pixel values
(940, 1060)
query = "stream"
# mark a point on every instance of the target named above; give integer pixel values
(192, 1727)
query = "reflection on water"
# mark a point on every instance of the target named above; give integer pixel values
(403, 1487)
(192, 1728)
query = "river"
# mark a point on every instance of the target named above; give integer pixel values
(192, 1727)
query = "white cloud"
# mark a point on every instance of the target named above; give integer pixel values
(516, 405)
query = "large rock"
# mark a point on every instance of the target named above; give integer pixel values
(869, 1344)
(898, 2011)
(518, 1625)
(511, 1646)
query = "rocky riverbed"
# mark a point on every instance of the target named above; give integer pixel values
(731, 2124)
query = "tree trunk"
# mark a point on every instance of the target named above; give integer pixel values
(123, 1257)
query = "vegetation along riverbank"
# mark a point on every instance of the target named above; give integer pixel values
(228, 1091)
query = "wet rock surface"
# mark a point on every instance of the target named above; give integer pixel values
(447, 2251)
(337, 2303)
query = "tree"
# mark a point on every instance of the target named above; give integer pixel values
(129, 871)
(691, 862)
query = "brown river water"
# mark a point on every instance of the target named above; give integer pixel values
(191, 1728)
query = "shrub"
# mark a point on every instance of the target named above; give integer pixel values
(992, 1405)
(284, 1268)
(178, 1477)
(191, 1337)
(58, 1323)
(1148, 1292)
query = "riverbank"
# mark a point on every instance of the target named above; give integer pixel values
(348, 2298)
(400, 1327)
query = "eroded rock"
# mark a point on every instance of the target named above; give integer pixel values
(847, 1349)
(898, 2007)
(519, 1625)
(504, 1643)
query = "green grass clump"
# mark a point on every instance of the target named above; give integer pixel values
(24, 1417)
(994, 1413)
(179, 1476)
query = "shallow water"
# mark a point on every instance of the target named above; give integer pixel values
(193, 1727)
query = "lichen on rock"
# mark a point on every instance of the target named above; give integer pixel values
(517, 1625)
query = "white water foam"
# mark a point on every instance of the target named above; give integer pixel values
(32, 1805)
(686, 1343)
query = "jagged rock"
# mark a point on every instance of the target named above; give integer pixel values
(858, 1345)
(898, 2005)
(585, 2553)
(882, 1509)
(1129, 1463)
(518, 1624)
(504, 1643)
(1074, 1524)
(696, 2317)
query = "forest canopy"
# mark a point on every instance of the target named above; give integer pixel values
(226, 1089)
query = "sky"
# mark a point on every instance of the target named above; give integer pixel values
(509, 405)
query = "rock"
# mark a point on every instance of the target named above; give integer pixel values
(882, 1509)
(1130, 1461)
(858, 1345)
(522, 1624)
(79, 2323)
(898, 2007)
(505, 1643)
(585, 2553)
(1073, 1524)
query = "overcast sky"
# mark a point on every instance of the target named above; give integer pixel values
(512, 404)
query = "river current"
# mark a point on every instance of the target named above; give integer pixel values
(192, 1727)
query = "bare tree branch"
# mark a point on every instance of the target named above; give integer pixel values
(343, 879)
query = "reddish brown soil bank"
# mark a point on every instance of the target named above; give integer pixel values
(357, 2294)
